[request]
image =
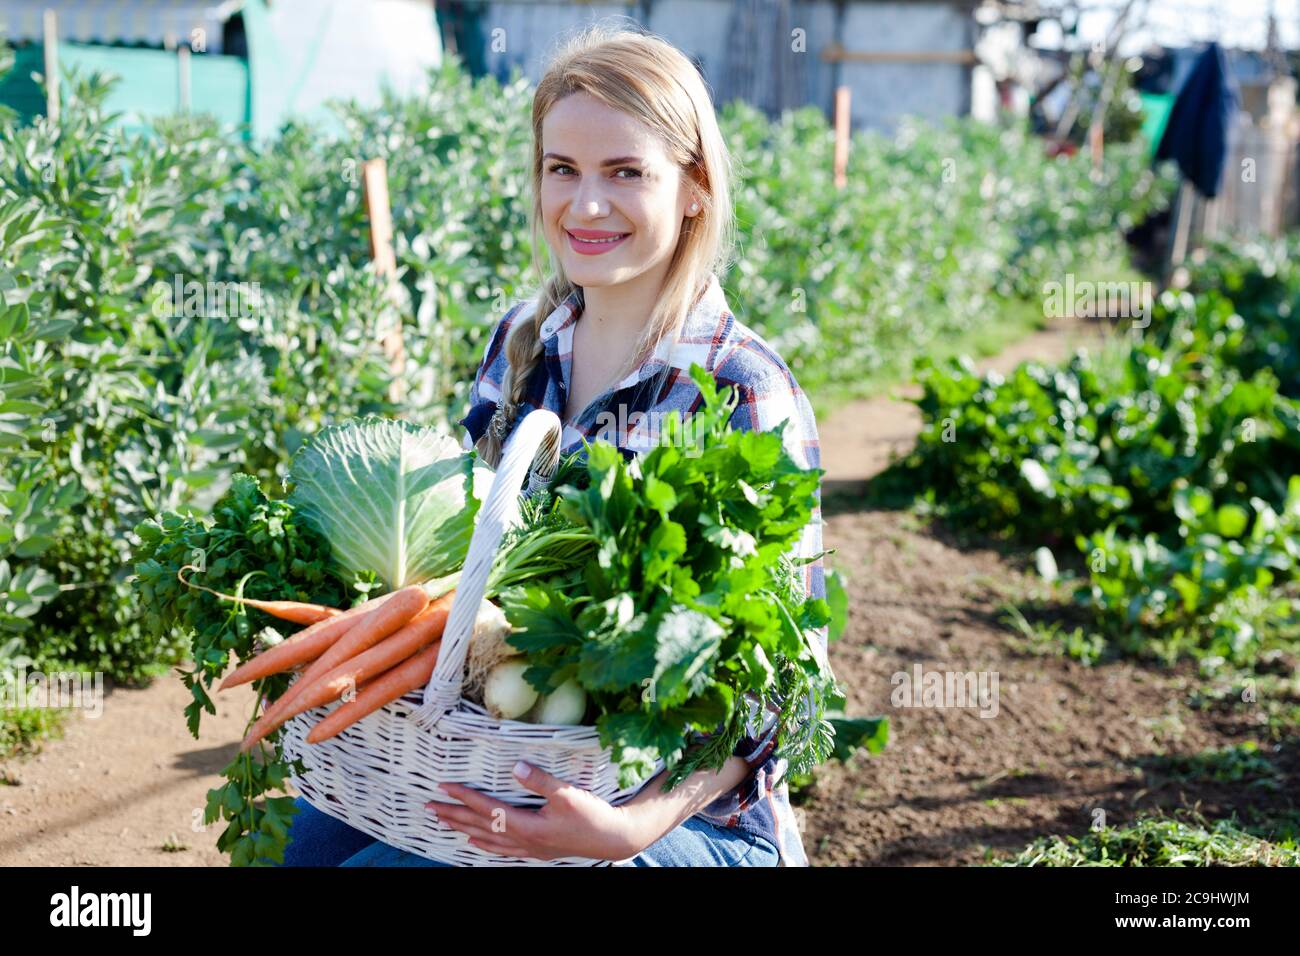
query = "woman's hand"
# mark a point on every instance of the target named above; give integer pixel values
(573, 822)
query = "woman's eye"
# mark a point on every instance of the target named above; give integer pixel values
(565, 169)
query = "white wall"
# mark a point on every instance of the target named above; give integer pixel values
(884, 92)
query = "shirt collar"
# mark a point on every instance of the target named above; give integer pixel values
(701, 330)
(564, 315)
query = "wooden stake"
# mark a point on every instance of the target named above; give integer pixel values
(842, 95)
(52, 65)
(374, 178)
(1182, 235)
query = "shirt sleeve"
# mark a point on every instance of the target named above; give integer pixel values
(762, 407)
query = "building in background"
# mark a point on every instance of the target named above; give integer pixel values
(252, 63)
(905, 57)
(259, 62)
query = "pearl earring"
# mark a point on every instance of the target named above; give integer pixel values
(694, 206)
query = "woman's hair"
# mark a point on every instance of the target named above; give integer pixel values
(649, 79)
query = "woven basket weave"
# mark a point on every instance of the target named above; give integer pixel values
(378, 774)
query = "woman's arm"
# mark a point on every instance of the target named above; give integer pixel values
(653, 813)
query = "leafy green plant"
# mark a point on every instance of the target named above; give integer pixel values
(1160, 841)
(1173, 466)
(1239, 763)
(691, 606)
(253, 547)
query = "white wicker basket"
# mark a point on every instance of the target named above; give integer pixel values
(378, 774)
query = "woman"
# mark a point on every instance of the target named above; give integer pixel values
(632, 196)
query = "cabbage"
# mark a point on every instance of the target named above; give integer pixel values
(389, 496)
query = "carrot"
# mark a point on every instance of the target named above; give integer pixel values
(423, 629)
(384, 689)
(296, 611)
(406, 603)
(306, 645)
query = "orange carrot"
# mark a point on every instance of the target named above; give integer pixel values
(384, 689)
(423, 629)
(295, 611)
(306, 645)
(406, 603)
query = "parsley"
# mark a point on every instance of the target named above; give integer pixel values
(252, 547)
(690, 608)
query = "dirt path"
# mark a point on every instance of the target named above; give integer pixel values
(115, 788)
(1064, 743)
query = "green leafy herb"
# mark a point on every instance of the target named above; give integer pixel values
(691, 609)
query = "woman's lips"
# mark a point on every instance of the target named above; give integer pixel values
(590, 242)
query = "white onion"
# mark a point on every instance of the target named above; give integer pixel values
(506, 694)
(565, 705)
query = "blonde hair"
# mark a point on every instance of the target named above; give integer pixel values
(649, 79)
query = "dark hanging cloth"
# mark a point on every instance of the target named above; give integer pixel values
(1196, 136)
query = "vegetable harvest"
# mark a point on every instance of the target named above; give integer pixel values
(378, 515)
(691, 605)
(656, 598)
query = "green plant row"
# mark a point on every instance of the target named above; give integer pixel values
(1172, 463)
(178, 307)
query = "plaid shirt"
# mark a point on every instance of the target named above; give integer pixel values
(768, 394)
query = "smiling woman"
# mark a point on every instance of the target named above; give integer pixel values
(632, 197)
(631, 193)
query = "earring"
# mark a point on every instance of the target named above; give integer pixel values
(694, 206)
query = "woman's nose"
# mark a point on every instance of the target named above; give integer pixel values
(589, 203)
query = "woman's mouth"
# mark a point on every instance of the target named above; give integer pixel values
(594, 242)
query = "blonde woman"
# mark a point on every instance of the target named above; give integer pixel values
(631, 195)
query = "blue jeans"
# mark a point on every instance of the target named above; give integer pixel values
(318, 839)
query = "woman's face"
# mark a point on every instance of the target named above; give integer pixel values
(612, 199)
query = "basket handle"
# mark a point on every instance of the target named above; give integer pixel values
(535, 442)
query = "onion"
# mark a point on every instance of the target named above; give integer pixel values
(506, 694)
(566, 705)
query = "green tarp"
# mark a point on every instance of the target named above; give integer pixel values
(1155, 109)
(148, 84)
